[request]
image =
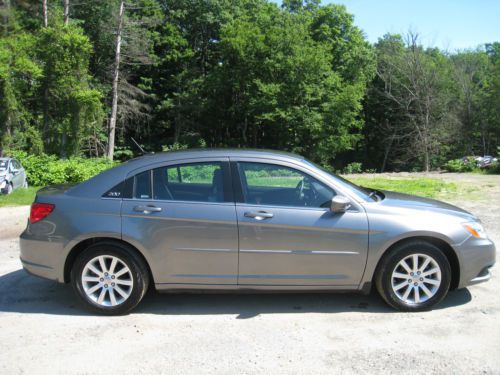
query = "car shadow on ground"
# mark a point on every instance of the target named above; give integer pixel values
(26, 294)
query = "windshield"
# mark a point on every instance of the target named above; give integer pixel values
(361, 192)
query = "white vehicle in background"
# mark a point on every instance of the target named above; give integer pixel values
(12, 175)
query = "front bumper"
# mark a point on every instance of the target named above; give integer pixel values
(476, 257)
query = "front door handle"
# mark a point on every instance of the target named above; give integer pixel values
(147, 209)
(260, 215)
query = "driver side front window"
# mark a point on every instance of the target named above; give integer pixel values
(277, 185)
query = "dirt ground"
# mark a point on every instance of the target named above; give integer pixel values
(44, 330)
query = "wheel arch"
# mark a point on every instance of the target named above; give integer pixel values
(444, 246)
(84, 244)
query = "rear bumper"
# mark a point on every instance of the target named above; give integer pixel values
(41, 258)
(477, 257)
(39, 270)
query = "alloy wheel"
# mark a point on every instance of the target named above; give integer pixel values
(416, 278)
(107, 280)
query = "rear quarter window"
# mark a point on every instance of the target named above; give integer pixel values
(123, 190)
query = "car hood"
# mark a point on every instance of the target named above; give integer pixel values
(393, 199)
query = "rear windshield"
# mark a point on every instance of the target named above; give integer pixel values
(3, 164)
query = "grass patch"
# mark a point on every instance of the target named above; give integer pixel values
(19, 197)
(422, 186)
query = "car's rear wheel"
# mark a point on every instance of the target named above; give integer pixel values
(109, 278)
(414, 276)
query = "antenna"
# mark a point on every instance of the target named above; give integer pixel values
(139, 146)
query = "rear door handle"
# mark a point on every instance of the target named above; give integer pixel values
(147, 209)
(260, 215)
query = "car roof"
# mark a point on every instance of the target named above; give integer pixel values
(215, 152)
(97, 185)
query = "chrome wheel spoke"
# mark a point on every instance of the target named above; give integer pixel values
(94, 269)
(91, 279)
(113, 265)
(94, 288)
(415, 262)
(122, 272)
(100, 300)
(121, 291)
(124, 282)
(407, 293)
(426, 290)
(399, 286)
(432, 281)
(405, 266)
(430, 272)
(424, 265)
(112, 297)
(417, 294)
(399, 275)
(102, 264)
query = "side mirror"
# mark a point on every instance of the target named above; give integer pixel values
(340, 204)
(15, 171)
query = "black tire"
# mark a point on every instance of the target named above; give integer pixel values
(8, 189)
(388, 264)
(138, 270)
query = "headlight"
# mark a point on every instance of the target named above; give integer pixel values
(476, 229)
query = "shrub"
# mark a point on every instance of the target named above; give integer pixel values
(458, 165)
(353, 168)
(45, 170)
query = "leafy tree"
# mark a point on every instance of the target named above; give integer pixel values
(19, 74)
(72, 107)
(415, 90)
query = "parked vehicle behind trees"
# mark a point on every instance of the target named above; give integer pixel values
(12, 175)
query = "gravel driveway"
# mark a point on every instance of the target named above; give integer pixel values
(44, 330)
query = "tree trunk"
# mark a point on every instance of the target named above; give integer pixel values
(46, 89)
(66, 12)
(386, 153)
(6, 16)
(63, 145)
(45, 13)
(116, 76)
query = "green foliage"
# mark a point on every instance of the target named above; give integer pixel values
(425, 187)
(458, 165)
(19, 74)
(71, 108)
(44, 169)
(353, 168)
(299, 77)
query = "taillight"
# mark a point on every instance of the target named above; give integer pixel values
(40, 211)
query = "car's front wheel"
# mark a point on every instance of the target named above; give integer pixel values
(414, 276)
(110, 278)
(8, 188)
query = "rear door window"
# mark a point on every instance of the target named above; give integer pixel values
(142, 186)
(197, 182)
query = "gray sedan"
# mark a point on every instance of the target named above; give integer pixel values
(232, 220)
